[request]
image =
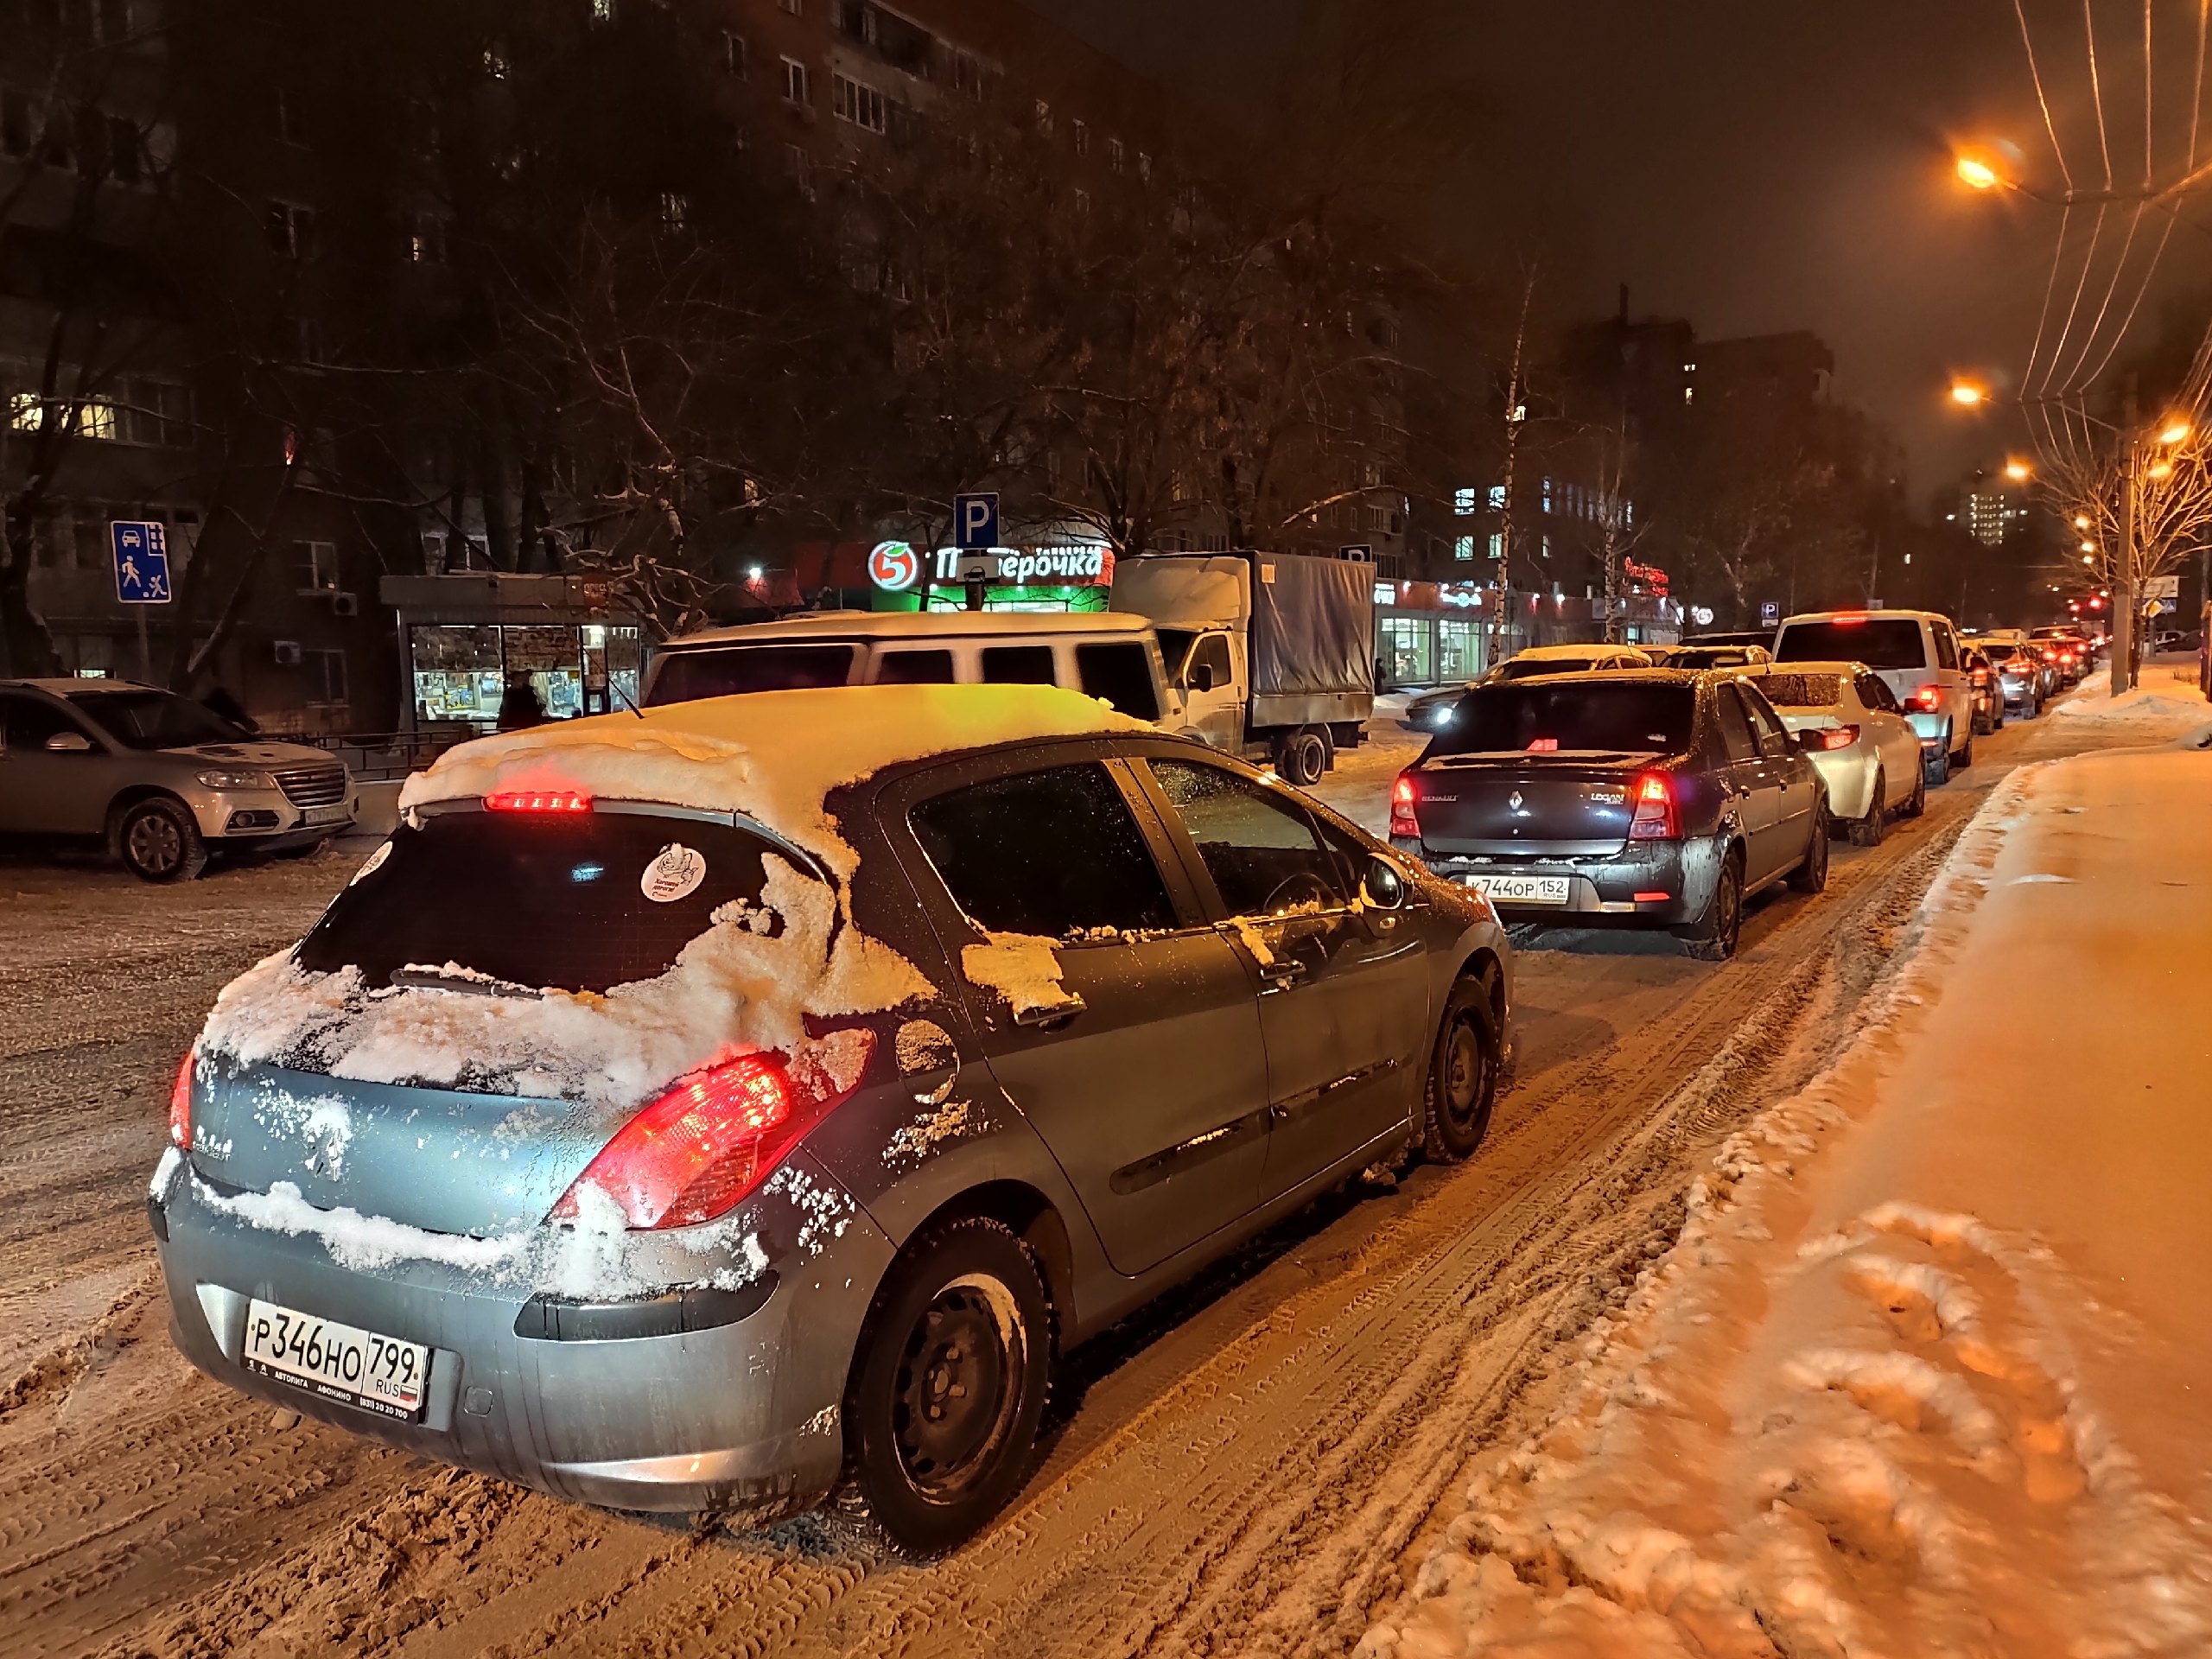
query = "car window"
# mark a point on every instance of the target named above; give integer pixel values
(1213, 653)
(727, 670)
(557, 899)
(1261, 850)
(1874, 692)
(1803, 690)
(1610, 716)
(1052, 852)
(1774, 738)
(1736, 735)
(146, 719)
(1876, 641)
(1947, 648)
(1018, 665)
(1121, 672)
(26, 723)
(913, 668)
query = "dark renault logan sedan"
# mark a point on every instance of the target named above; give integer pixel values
(1654, 799)
(751, 1101)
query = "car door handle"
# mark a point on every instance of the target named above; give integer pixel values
(1284, 972)
(1050, 1013)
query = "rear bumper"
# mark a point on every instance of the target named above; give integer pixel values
(1649, 884)
(740, 1416)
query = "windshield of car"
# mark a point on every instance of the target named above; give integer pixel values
(579, 901)
(1803, 690)
(726, 671)
(1175, 647)
(1878, 642)
(147, 719)
(1615, 716)
(1693, 657)
(1522, 668)
(2055, 634)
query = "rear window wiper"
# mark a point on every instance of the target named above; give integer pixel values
(454, 977)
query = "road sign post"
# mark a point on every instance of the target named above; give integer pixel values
(976, 529)
(142, 576)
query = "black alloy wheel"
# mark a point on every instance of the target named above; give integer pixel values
(157, 840)
(1812, 875)
(1462, 1086)
(942, 1409)
(1713, 938)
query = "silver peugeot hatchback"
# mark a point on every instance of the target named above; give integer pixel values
(749, 1101)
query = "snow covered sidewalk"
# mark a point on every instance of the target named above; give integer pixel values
(1929, 1371)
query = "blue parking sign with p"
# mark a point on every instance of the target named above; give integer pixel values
(142, 561)
(976, 519)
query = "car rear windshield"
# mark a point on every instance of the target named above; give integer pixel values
(1610, 715)
(1528, 668)
(155, 719)
(1878, 642)
(726, 671)
(1803, 690)
(580, 901)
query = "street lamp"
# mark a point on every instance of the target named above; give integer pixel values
(1967, 395)
(2176, 432)
(2019, 471)
(2160, 470)
(1976, 173)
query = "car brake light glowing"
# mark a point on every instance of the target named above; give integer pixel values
(1543, 746)
(1849, 619)
(1404, 821)
(1652, 898)
(537, 800)
(1656, 816)
(181, 1102)
(1834, 737)
(1929, 696)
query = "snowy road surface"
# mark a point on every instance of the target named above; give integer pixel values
(1255, 1467)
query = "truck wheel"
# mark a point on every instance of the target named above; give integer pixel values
(1302, 757)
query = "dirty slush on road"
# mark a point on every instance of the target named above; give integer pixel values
(1244, 1471)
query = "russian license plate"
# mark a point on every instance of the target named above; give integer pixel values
(377, 1373)
(1521, 889)
(323, 814)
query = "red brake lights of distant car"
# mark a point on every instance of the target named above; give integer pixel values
(181, 1102)
(1929, 697)
(698, 1149)
(1543, 746)
(537, 800)
(1848, 618)
(1657, 817)
(1404, 821)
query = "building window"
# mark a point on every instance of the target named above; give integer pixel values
(737, 63)
(96, 419)
(796, 90)
(426, 240)
(1547, 495)
(858, 103)
(495, 60)
(1082, 203)
(602, 11)
(1463, 500)
(1464, 548)
(1497, 543)
(857, 18)
(1144, 166)
(968, 73)
(675, 211)
(1044, 118)
(1118, 153)
(1080, 132)
(1378, 518)
(314, 567)
(324, 671)
(1497, 498)
(799, 167)
(291, 230)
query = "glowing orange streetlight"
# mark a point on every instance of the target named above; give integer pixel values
(1976, 171)
(2161, 469)
(2019, 471)
(1968, 395)
(2177, 432)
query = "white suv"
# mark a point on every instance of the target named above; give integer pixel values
(1915, 653)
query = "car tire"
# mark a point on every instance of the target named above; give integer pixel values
(1811, 875)
(1302, 757)
(1713, 937)
(1917, 803)
(1964, 758)
(157, 840)
(963, 1315)
(1867, 831)
(1462, 1084)
(1935, 767)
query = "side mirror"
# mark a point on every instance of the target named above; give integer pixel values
(1381, 885)
(69, 743)
(1200, 677)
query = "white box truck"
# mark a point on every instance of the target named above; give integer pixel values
(1270, 656)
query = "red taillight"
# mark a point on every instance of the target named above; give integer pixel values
(1404, 821)
(537, 800)
(1981, 677)
(1834, 737)
(1929, 697)
(1656, 816)
(1543, 746)
(181, 1102)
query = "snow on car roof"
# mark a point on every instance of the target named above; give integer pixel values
(878, 625)
(1550, 653)
(770, 756)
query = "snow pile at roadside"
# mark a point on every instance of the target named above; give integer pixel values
(2151, 699)
(1848, 1415)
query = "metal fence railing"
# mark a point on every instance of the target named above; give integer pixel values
(378, 757)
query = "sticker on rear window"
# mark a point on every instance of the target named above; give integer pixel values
(372, 864)
(676, 873)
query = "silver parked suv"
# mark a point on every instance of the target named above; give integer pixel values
(163, 780)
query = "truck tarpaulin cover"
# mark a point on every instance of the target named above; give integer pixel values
(1312, 626)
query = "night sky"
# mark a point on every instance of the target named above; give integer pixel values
(1751, 167)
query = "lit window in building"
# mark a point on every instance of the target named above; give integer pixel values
(1497, 498)
(1464, 548)
(1463, 500)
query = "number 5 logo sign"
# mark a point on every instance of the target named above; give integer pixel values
(894, 567)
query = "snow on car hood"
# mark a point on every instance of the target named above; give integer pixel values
(257, 754)
(737, 989)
